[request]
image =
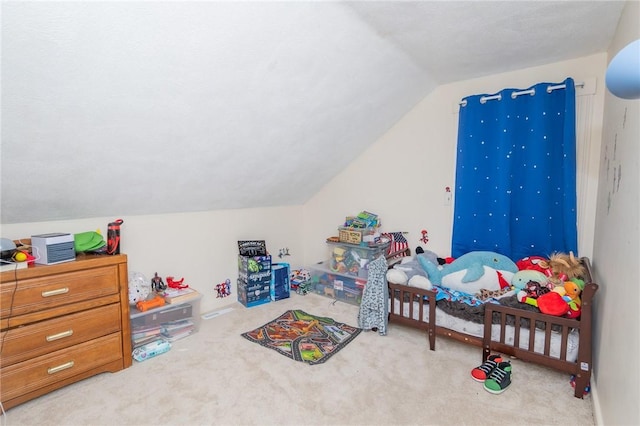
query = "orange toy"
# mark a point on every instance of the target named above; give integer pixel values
(145, 305)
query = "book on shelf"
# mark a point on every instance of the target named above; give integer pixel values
(177, 329)
(144, 340)
(174, 326)
(180, 295)
(172, 337)
(137, 333)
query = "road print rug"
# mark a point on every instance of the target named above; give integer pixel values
(303, 337)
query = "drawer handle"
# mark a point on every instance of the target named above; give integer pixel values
(61, 367)
(57, 336)
(56, 292)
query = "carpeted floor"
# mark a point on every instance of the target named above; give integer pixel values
(217, 377)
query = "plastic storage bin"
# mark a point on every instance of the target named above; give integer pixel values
(170, 322)
(336, 286)
(349, 259)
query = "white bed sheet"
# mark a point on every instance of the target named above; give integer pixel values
(443, 319)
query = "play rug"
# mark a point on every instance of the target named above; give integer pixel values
(304, 337)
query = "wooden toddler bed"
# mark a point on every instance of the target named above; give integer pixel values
(560, 343)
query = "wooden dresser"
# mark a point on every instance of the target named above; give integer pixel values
(61, 324)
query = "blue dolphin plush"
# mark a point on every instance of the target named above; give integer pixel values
(473, 263)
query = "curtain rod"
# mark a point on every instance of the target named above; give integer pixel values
(514, 95)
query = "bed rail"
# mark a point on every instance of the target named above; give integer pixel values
(524, 350)
(405, 313)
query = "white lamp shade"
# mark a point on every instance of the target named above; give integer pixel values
(623, 73)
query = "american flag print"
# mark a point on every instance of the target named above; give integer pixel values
(397, 242)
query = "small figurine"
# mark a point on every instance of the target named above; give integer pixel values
(157, 284)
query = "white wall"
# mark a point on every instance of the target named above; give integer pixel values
(403, 177)
(617, 250)
(201, 247)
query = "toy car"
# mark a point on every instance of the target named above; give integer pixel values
(303, 287)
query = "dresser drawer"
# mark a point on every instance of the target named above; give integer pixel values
(28, 376)
(37, 294)
(33, 340)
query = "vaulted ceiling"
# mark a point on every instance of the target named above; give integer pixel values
(126, 108)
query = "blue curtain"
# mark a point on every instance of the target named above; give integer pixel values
(516, 172)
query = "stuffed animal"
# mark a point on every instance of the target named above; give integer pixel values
(521, 278)
(473, 272)
(564, 267)
(530, 285)
(533, 263)
(399, 276)
(410, 267)
(420, 281)
(573, 289)
(553, 304)
(557, 304)
(485, 294)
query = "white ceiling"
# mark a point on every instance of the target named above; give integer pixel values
(127, 108)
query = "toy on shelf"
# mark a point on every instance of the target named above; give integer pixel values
(157, 284)
(145, 305)
(176, 283)
(139, 287)
(364, 219)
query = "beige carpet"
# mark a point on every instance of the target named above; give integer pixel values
(216, 377)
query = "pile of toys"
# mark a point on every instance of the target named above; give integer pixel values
(300, 281)
(364, 219)
(362, 229)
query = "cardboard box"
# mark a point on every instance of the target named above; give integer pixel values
(254, 269)
(358, 236)
(254, 294)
